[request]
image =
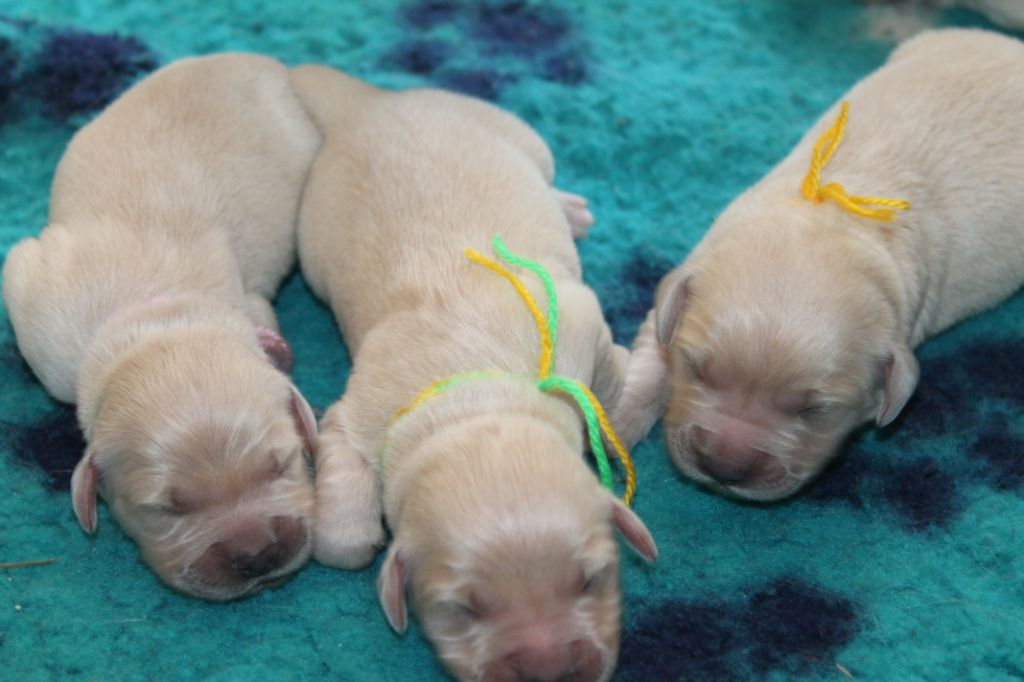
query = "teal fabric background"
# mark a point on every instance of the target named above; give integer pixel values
(904, 562)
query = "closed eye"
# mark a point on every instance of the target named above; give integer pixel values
(163, 509)
(597, 581)
(693, 365)
(284, 464)
(456, 614)
(816, 410)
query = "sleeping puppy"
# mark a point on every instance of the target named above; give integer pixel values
(792, 322)
(146, 302)
(501, 532)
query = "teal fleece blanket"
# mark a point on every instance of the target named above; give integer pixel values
(905, 561)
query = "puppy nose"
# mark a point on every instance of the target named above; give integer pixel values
(553, 661)
(290, 533)
(264, 561)
(725, 459)
(253, 551)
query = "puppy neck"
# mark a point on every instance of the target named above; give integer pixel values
(773, 226)
(412, 447)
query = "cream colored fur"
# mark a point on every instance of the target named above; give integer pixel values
(498, 523)
(172, 222)
(792, 323)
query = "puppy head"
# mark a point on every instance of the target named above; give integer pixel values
(778, 348)
(505, 542)
(198, 451)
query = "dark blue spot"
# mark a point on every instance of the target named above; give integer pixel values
(786, 624)
(566, 67)
(421, 57)
(1001, 452)
(83, 72)
(921, 492)
(627, 301)
(841, 480)
(53, 443)
(518, 26)
(478, 83)
(8, 77)
(429, 13)
(993, 368)
(933, 409)
(677, 640)
(796, 625)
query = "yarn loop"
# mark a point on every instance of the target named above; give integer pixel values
(813, 191)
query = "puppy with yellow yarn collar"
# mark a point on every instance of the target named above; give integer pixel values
(793, 321)
(501, 533)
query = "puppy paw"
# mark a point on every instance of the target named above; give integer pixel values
(645, 388)
(347, 543)
(576, 212)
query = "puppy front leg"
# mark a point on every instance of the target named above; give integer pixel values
(261, 312)
(348, 528)
(645, 391)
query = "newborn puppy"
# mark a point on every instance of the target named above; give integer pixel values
(792, 322)
(501, 531)
(145, 301)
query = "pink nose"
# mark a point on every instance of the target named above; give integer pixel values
(728, 457)
(553, 661)
(253, 549)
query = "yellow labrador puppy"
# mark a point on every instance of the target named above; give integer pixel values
(793, 321)
(145, 301)
(501, 531)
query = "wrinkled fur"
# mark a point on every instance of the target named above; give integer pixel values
(172, 223)
(498, 523)
(792, 323)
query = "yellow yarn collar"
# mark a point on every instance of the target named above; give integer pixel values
(823, 151)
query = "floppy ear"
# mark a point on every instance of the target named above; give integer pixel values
(671, 301)
(305, 421)
(84, 482)
(634, 531)
(901, 372)
(391, 589)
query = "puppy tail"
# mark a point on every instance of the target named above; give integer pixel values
(329, 96)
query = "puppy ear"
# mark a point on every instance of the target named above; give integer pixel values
(305, 421)
(901, 372)
(633, 529)
(671, 301)
(84, 482)
(391, 590)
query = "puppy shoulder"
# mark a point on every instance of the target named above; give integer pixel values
(17, 271)
(581, 320)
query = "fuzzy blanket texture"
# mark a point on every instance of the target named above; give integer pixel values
(905, 561)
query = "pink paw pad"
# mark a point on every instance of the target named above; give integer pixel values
(277, 350)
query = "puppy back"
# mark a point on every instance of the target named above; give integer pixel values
(330, 96)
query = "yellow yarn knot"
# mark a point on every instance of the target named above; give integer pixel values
(813, 191)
